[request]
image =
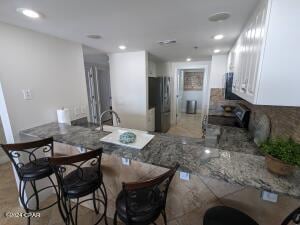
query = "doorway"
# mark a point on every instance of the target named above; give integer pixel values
(97, 75)
(99, 93)
(190, 89)
(189, 103)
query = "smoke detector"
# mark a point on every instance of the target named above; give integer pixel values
(166, 42)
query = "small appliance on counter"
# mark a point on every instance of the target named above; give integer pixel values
(239, 117)
(63, 116)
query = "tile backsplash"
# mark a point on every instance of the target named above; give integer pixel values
(285, 121)
(217, 99)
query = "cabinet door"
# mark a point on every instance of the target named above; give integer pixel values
(240, 63)
(257, 50)
(237, 65)
(248, 54)
(250, 57)
(244, 62)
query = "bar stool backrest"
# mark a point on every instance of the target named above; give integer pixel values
(68, 164)
(29, 152)
(293, 217)
(153, 191)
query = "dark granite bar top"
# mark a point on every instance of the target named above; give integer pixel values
(192, 154)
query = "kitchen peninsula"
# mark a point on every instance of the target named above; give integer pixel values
(193, 156)
(215, 176)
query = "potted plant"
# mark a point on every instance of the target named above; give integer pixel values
(281, 155)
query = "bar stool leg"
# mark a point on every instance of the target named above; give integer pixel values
(164, 216)
(104, 202)
(21, 197)
(70, 215)
(76, 211)
(115, 219)
(104, 193)
(36, 195)
(94, 203)
(58, 199)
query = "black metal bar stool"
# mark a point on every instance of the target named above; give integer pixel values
(32, 165)
(141, 203)
(79, 176)
(223, 215)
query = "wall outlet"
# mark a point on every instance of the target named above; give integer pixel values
(27, 94)
(184, 176)
(81, 149)
(269, 196)
(125, 161)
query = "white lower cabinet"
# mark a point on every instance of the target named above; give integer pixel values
(265, 57)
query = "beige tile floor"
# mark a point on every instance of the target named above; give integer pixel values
(189, 125)
(199, 195)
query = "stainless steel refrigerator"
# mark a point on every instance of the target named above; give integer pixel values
(160, 98)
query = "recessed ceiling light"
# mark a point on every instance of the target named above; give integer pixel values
(219, 17)
(94, 36)
(122, 47)
(188, 59)
(29, 13)
(217, 50)
(218, 37)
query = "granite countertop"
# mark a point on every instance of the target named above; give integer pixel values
(237, 140)
(164, 150)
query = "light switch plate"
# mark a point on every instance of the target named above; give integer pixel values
(269, 196)
(125, 161)
(184, 176)
(27, 94)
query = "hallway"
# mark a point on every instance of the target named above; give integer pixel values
(189, 125)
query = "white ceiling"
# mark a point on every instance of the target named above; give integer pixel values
(139, 24)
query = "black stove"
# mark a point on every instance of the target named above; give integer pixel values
(239, 117)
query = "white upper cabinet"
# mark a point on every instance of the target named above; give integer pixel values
(265, 59)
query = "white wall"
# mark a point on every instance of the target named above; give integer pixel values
(218, 70)
(99, 59)
(129, 88)
(3, 157)
(50, 67)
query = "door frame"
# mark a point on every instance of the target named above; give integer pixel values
(176, 68)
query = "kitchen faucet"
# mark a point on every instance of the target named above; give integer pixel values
(109, 111)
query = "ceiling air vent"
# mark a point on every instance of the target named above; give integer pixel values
(94, 36)
(166, 42)
(219, 17)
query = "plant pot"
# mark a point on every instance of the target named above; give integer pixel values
(277, 166)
